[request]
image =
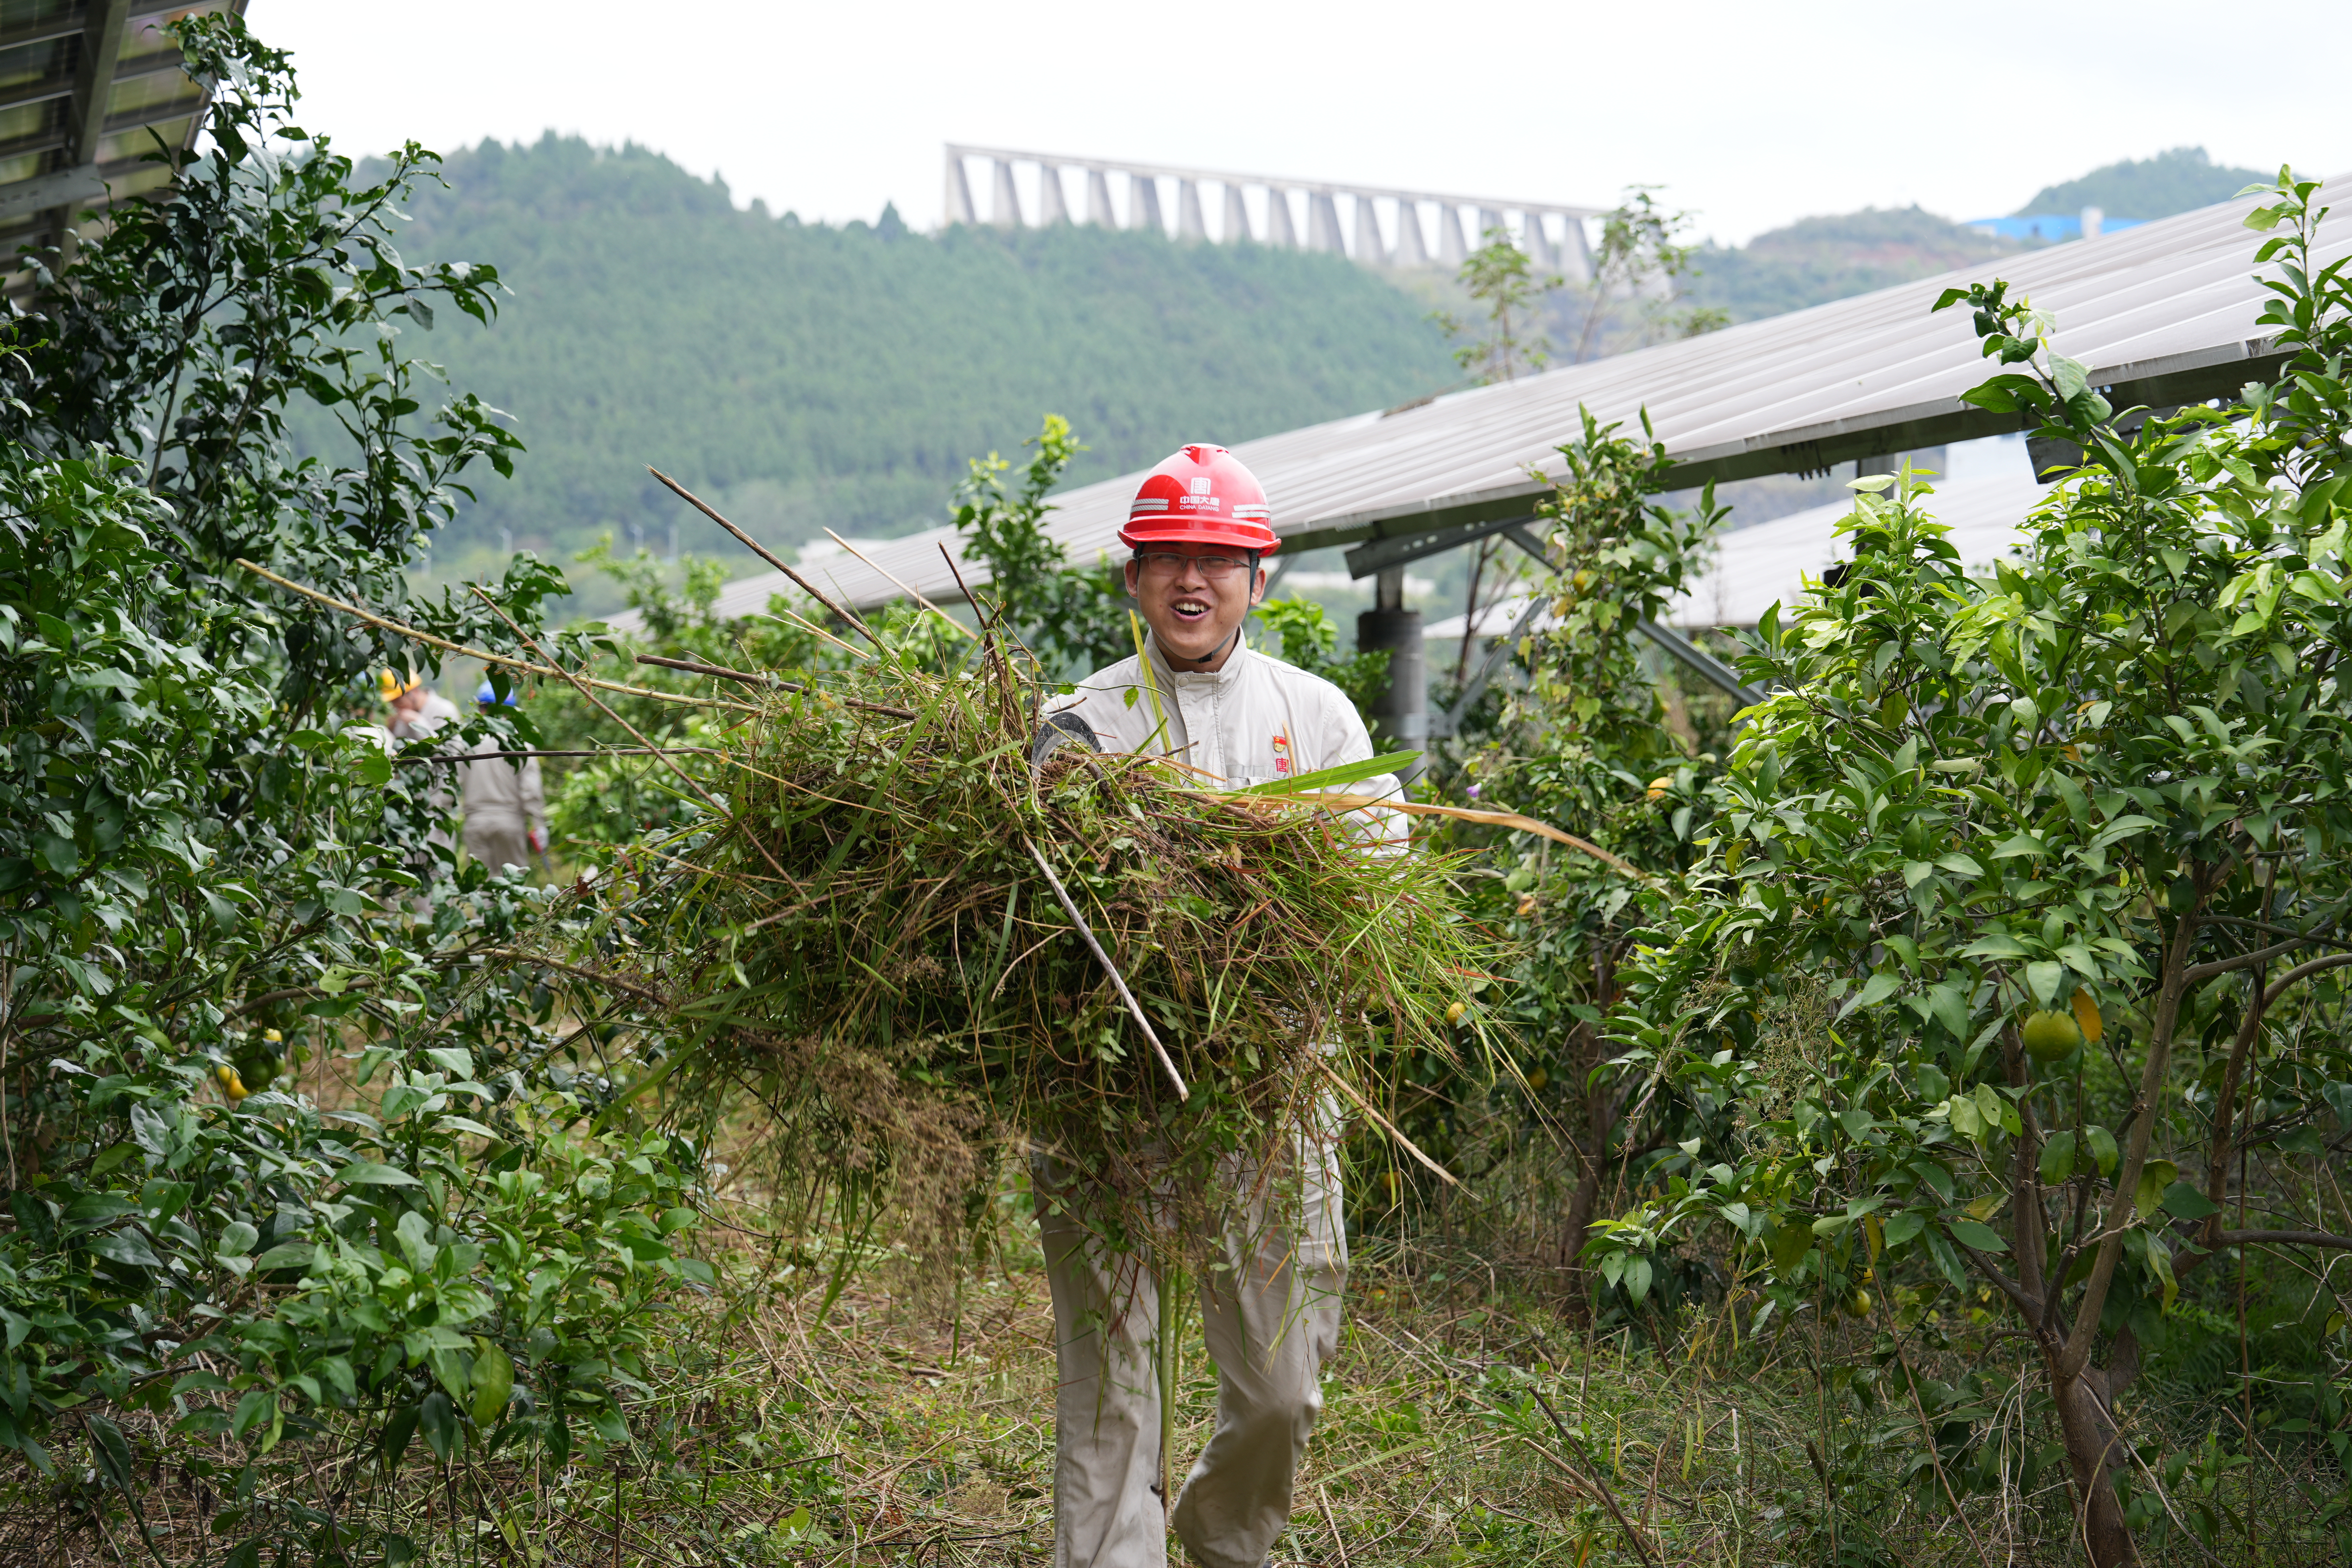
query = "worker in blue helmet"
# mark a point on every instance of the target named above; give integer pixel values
(506, 806)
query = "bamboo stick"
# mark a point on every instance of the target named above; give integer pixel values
(1459, 813)
(1448, 1177)
(749, 678)
(484, 655)
(698, 504)
(1070, 907)
(905, 588)
(580, 685)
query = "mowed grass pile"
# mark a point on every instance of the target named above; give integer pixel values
(870, 946)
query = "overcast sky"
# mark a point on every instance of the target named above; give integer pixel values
(1750, 114)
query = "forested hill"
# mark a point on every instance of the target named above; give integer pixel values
(2170, 182)
(1817, 259)
(810, 375)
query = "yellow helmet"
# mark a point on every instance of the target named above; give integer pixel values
(393, 685)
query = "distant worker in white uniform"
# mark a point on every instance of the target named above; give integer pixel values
(418, 712)
(505, 806)
(1198, 527)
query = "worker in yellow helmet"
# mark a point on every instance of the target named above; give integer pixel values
(418, 711)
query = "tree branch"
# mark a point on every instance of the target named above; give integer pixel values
(2120, 1208)
(2031, 1224)
(2026, 1303)
(2301, 971)
(2284, 1238)
(2198, 974)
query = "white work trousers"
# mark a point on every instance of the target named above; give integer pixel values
(1270, 1314)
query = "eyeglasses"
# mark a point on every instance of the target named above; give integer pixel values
(1167, 563)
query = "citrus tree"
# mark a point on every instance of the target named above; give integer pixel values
(1585, 738)
(218, 897)
(2014, 954)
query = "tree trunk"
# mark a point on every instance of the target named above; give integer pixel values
(1580, 1204)
(2094, 1454)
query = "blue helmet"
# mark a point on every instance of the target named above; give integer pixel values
(487, 696)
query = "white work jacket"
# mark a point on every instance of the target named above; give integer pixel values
(1254, 720)
(500, 795)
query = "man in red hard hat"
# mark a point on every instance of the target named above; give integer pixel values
(1199, 528)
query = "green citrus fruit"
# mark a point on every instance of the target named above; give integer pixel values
(2052, 1037)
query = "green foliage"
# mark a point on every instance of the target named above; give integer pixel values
(1308, 639)
(1585, 740)
(598, 809)
(212, 882)
(1641, 273)
(798, 374)
(1073, 621)
(2178, 181)
(2111, 780)
(1499, 276)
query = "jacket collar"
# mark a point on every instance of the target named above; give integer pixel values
(1231, 672)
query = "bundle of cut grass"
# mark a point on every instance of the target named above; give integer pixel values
(914, 947)
(880, 943)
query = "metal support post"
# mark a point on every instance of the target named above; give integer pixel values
(1279, 229)
(1692, 657)
(1190, 224)
(1143, 204)
(1237, 223)
(1098, 211)
(958, 196)
(1005, 202)
(1400, 712)
(1371, 249)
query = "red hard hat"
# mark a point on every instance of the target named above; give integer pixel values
(1202, 495)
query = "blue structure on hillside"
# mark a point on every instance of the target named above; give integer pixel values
(2051, 227)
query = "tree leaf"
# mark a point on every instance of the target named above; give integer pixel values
(2186, 1202)
(438, 1418)
(2058, 1159)
(1976, 1234)
(126, 1246)
(1880, 987)
(1790, 1244)
(367, 1173)
(2155, 1177)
